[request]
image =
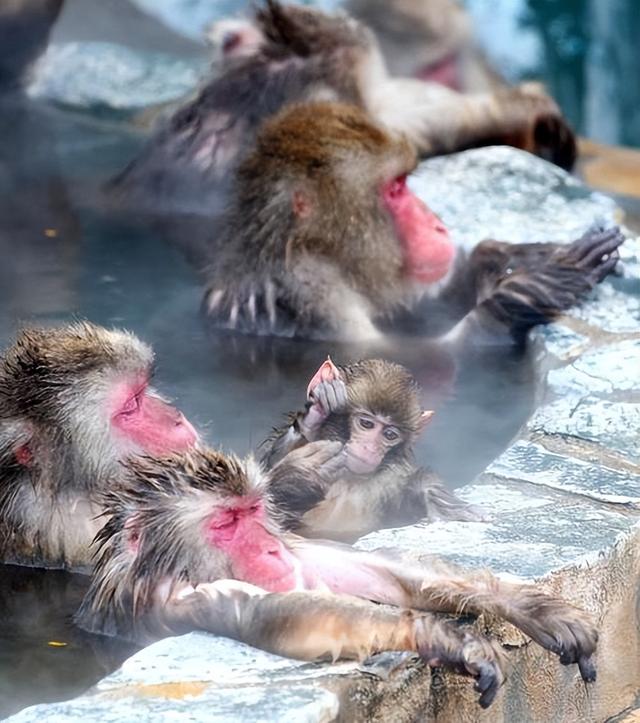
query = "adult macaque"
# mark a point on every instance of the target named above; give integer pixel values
(323, 238)
(432, 40)
(373, 408)
(74, 402)
(190, 543)
(307, 55)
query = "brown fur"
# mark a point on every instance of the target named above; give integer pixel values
(308, 248)
(172, 580)
(53, 387)
(308, 55)
(346, 506)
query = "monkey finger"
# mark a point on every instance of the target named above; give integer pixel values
(587, 668)
(593, 245)
(605, 268)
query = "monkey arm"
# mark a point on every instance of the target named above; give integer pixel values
(523, 285)
(301, 479)
(438, 586)
(439, 502)
(439, 120)
(320, 626)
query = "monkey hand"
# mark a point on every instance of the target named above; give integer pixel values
(327, 458)
(559, 627)
(525, 298)
(539, 126)
(325, 398)
(463, 651)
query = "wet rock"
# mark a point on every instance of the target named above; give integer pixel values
(102, 76)
(510, 195)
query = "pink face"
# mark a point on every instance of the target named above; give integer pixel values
(142, 419)
(257, 556)
(371, 438)
(428, 251)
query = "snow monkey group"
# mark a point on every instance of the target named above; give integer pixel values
(296, 153)
(99, 472)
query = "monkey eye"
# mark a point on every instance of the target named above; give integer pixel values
(397, 187)
(391, 434)
(365, 423)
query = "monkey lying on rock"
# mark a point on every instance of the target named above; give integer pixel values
(191, 543)
(74, 402)
(323, 238)
(373, 408)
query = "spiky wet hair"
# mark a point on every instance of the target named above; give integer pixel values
(305, 31)
(162, 503)
(385, 388)
(43, 363)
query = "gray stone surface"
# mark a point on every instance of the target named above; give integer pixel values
(106, 76)
(563, 499)
(506, 194)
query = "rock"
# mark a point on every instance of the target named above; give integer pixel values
(509, 195)
(107, 77)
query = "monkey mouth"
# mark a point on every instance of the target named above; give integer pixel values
(359, 465)
(430, 273)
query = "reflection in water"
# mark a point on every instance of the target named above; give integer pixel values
(64, 255)
(43, 656)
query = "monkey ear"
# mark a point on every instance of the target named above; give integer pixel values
(302, 203)
(425, 418)
(132, 534)
(327, 373)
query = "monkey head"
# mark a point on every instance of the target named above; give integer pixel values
(325, 182)
(80, 395)
(192, 517)
(382, 418)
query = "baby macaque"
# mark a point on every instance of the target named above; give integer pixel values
(74, 402)
(191, 543)
(373, 408)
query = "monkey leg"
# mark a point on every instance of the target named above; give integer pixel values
(316, 626)
(556, 625)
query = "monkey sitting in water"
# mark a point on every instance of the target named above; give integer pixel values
(373, 408)
(74, 403)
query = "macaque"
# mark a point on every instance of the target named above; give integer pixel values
(24, 33)
(428, 39)
(74, 402)
(191, 542)
(323, 238)
(373, 408)
(294, 54)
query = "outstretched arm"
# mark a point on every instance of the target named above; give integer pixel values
(439, 120)
(522, 285)
(300, 481)
(321, 626)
